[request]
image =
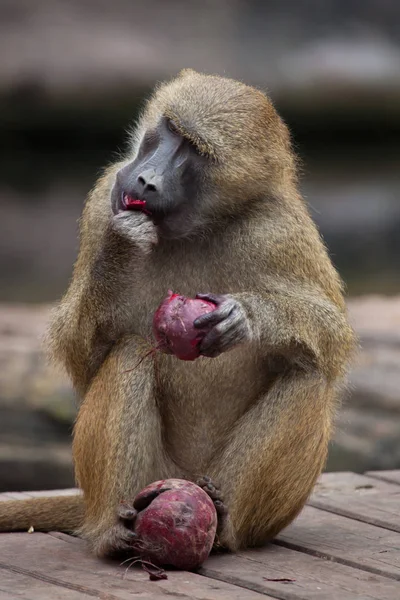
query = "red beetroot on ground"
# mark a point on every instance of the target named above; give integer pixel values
(173, 325)
(178, 527)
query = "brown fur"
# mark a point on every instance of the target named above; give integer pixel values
(258, 418)
(39, 513)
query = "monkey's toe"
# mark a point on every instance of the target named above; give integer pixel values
(210, 488)
(215, 494)
(126, 511)
(221, 508)
(203, 481)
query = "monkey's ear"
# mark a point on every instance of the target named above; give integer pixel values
(187, 72)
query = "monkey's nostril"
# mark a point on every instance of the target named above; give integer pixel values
(147, 186)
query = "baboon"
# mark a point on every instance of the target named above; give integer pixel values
(224, 219)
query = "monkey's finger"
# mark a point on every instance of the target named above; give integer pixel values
(217, 315)
(211, 352)
(215, 298)
(223, 336)
(211, 345)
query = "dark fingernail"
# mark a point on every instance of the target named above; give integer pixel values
(220, 507)
(132, 535)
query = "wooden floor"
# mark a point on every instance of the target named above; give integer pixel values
(345, 545)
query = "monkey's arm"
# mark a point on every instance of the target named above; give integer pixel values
(92, 315)
(303, 325)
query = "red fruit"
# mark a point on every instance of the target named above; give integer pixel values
(178, 527)
(131, 203)
(173, 325)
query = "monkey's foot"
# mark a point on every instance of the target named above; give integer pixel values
(216, 496)
(120, 539)
(116, 541)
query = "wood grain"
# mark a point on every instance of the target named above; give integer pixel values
(344, 545)
(58, 563)
(313, 577)
(344, 540)
(391, 476)
(359, 497)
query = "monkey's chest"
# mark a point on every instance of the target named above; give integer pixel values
(200, 401)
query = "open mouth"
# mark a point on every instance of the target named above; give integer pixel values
(130, 203)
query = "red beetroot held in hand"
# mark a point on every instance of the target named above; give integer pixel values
(173, 325)
(178, 527)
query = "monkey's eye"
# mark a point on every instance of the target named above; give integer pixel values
(173, 127)
(150, 139)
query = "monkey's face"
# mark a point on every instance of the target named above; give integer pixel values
(164, 180)
(206, 149)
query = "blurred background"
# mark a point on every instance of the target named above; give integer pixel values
(73, 75)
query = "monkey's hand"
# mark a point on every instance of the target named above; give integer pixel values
(228, 323)
(137, 228)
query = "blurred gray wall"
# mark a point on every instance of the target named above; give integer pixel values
(74, 73)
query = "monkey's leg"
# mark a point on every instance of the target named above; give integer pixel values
(274, 455)
(118, 446)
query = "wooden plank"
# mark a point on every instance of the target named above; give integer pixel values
(51, 559)
(344, 540)
(311, 577)
(71, 539)
(359, 497)
(15, 586)
(391, 476)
